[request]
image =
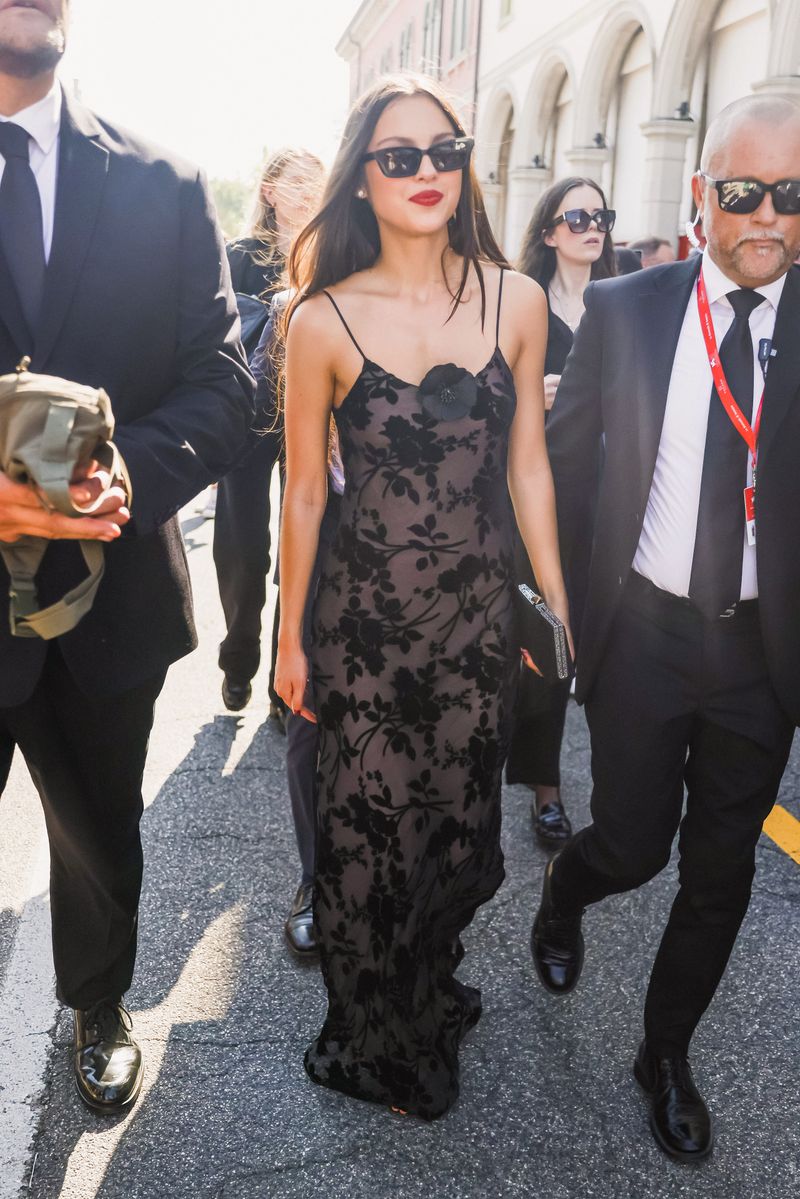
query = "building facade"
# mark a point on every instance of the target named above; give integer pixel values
(621, 91)
(437, 37)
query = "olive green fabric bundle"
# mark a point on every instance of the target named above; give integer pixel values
(49, 429)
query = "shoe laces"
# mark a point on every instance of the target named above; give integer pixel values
(105, 1018)
(676, 1072)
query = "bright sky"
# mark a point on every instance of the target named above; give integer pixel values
(217, 80)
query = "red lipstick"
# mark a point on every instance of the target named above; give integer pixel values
(427, 198)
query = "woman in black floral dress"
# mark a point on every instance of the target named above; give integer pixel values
(414, 662)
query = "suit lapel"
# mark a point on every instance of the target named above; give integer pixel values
(783, 375)
(659, 316)
(82, 170)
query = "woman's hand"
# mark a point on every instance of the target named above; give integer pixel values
(551, 383)
(291, 680)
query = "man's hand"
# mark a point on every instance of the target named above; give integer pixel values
(89, 486)
(22, 512)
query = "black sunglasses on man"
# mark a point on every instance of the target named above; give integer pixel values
(743, 196)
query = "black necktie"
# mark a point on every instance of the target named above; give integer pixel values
(716, 580)
(21, 233)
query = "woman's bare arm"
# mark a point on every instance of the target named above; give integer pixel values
(529, 479)
(310, 383)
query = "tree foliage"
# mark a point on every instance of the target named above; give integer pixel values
(232, 198)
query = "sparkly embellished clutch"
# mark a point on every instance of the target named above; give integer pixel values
(542, 636)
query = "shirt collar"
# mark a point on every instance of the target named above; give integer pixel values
(718, 285)
(41, 120)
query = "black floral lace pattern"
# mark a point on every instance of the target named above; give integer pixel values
(414, 668)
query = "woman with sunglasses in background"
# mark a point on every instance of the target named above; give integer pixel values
(413, 668)
(566, 245)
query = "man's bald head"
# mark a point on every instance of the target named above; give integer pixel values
(757, 139)
(777, 112)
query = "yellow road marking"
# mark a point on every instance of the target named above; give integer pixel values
(784, 829)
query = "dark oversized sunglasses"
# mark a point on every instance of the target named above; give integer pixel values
(400, 162)
(578, 220)
(745, 195)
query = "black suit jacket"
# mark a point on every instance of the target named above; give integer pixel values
(615, 383)
(138, 301)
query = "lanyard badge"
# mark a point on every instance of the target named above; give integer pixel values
(738, 419)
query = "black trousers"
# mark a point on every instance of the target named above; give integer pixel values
(242, 557)
(534, 755)
(679, 701)
(86, 757)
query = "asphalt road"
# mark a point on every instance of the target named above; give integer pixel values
(548, 1105)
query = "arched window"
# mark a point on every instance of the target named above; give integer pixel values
(630, 107)
(738, 51)
(559, 135)
(736, 56)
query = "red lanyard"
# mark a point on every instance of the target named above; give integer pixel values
(738, 418)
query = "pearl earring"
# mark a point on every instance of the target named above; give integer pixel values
(361, 194)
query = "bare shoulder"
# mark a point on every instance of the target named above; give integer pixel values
(523, 317)
(523, 299)
(315, 326)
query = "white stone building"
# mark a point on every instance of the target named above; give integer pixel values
(621, 91)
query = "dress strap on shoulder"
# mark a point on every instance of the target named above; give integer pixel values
(499, 301)
(348, 330)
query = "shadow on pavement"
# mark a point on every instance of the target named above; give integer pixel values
(548, 1106)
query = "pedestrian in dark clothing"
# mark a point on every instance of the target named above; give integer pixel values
(627, 260)
(689, 656)
(568, 242)
(289, 185)
(112, 274)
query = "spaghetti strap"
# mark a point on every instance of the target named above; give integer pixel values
(348, 330)
(499, 300)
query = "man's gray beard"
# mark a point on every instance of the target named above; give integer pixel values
(27, 63)
(783, 260)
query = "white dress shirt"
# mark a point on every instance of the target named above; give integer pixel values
(666, 545)
(43, 122)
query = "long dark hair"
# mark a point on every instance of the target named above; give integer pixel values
(537, 259)
(343, 237)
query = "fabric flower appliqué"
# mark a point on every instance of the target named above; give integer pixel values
(448, 392)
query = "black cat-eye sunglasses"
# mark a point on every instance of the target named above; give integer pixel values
(400, 162)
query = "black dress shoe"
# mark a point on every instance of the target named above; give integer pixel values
(235, 693)
(679, 1118)
(107, 1060)
(299, 927)
(556, 943)
(551, 824)
(277, 713)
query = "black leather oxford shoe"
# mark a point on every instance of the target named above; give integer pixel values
(679, 1118)
(235, 693)
(551, 824)
(299, 927)
(107, 1060)
(556, 943)
(277, 716)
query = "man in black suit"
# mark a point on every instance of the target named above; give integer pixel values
(689, 651)
(112, 274)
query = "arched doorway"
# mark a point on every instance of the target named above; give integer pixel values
(630, 105)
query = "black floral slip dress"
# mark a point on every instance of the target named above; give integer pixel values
(414, 670)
